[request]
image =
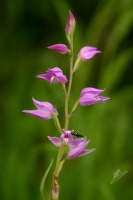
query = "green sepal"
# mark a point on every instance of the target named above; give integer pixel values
(63, 87)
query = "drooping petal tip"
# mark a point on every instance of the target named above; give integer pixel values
(56, 141)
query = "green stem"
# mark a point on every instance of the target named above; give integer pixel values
(69, 86)
(63, 151)
(59, 164)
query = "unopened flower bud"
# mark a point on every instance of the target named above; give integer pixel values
(70, 23)
(70, 26)
(61, 48)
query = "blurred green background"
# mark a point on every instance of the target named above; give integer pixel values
(27, 27)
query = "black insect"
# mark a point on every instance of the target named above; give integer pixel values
(77, 134)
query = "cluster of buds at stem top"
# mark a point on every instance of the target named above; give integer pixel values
(70, 26)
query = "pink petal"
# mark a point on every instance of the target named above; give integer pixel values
(75, 152)
(91, 92)
(85, 152)
(56, 141)
(39, 114)
(40, 105)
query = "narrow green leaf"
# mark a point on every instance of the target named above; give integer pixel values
(44, 179)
